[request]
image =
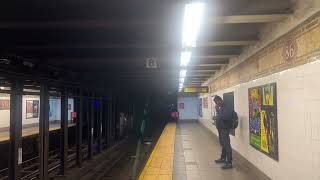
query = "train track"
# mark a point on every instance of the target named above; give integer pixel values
(30, 168)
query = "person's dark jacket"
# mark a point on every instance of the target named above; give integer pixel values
(224, 117)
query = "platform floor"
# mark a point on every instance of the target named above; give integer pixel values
(160, 163)
(195, 149)
(29, 131)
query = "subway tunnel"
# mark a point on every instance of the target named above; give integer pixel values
(160, 90)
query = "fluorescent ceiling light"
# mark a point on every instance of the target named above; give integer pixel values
(181, 80)
(193, 13)
(183, 73)
(185, 58)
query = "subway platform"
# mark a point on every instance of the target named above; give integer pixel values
(186, 151)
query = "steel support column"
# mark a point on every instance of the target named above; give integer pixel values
(105, 119)
(113, 124)
(117, 119)
(109, 112)
(90, 114)
(79, 120)
(44, 131)
(64, 132)
(15, 149)
(99, 125)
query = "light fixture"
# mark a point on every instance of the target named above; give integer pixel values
(183, 73)
(181, 80)
(193, 14)
(185, 58)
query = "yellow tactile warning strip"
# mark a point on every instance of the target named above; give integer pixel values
(160, 163)
(29, 131)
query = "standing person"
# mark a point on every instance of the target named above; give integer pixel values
(224, 118)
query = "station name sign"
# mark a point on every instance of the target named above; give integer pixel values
(201, 89)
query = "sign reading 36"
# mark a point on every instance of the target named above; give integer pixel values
(290, 50)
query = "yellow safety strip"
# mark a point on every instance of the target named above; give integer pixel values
(160, 163)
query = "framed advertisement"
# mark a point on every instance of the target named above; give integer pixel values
(200, 107)
(213, 111)
(263, 122)
(4, 104)
(205, 103)
(181, 105)
(32, 109)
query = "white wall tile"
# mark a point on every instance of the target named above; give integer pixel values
(298, 101)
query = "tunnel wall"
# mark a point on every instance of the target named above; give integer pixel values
(298, 101)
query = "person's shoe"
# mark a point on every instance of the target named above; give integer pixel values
(219, 161)
(227, 166)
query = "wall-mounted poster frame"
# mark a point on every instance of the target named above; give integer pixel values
(228, 99)
(205, 102)
(32, 109)
(263, 120)
(213, 111)
(200, 107)
(181, 105)
(4, 104)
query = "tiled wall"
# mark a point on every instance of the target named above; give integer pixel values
(298, 123)
(298, 96)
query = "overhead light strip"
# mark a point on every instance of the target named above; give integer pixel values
(185, 58)
(193, 14)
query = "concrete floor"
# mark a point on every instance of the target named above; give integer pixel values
(196, 148)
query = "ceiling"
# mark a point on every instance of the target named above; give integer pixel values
(229, 26)
(107, 42)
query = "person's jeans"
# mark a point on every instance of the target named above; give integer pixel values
(224, 140)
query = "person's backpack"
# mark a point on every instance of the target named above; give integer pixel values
(234, 121)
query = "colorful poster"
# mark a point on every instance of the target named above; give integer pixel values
(32, 109)
(263, 124)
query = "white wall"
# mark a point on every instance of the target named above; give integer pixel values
(5, 114)
(298, 96)
(191, 108)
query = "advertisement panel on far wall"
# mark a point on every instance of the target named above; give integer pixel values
(263, 122)
(32, 109)
(213, 111)
(205, 103)
(200, 107)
